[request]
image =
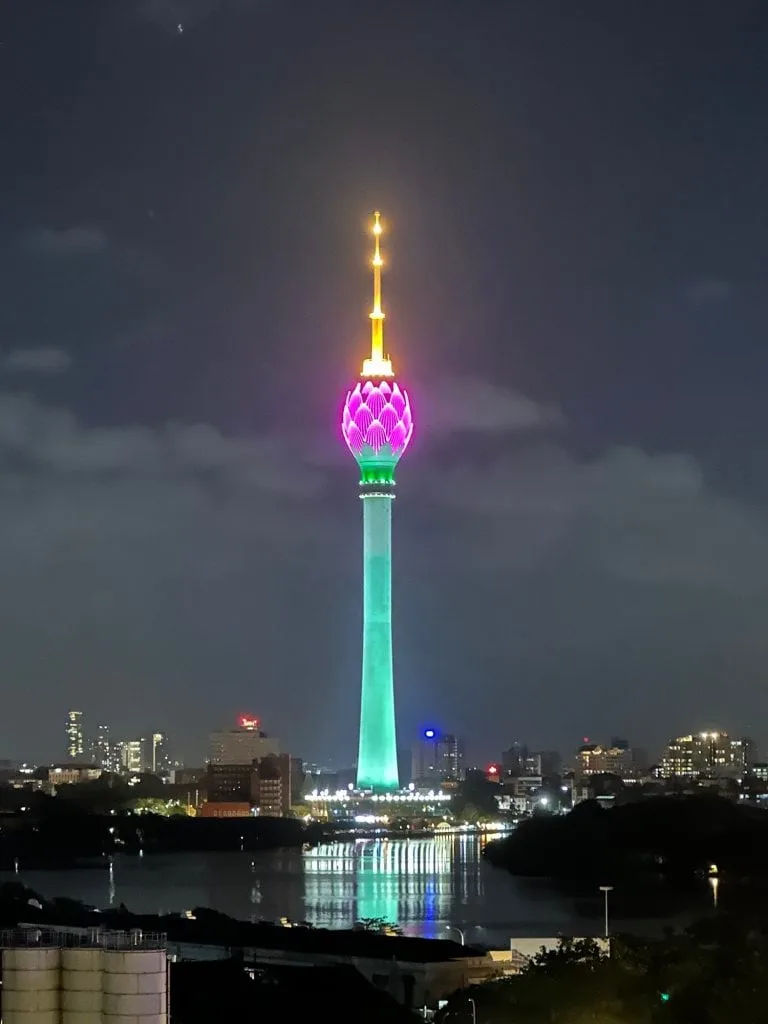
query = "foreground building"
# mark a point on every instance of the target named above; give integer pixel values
(88, 975)
(71, 976)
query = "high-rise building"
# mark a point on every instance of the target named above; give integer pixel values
(243, 745)
(377, 426)
(550, 762)
(519, 761)
(229, 783)
(104, 750)
(438, 758)
(132, 756)
(595, 759)
(513, 760)
(159, 760)
(272, 786)
(711, 753)
(298, 777)
(75, 737)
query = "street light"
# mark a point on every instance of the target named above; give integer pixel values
(474, 1010)
(453, 928)
(605, 889)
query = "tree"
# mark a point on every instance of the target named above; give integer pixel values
(476, 791)
(715, 972)
(472, 815)
(300, 810)
(575, 983)
(377, 924)
(674, 838)
(154, 805)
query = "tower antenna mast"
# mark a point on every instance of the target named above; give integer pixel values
(377, 365)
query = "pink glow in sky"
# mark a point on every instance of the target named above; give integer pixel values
(377, 413)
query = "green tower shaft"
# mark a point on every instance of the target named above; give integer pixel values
(377, 754)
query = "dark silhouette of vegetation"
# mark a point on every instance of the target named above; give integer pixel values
(377, 924)
(715, 972)
(475, 798)
(673, 837)
(93, 821)
(201, 926)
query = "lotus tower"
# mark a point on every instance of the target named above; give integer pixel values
(377, 425)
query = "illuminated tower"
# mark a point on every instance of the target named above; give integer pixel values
(377, 427)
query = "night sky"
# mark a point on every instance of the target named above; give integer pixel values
(575, 201)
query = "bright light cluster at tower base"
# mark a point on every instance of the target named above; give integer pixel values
(354, 795)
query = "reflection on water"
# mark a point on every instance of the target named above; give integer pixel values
(423, 885)
(414, 883)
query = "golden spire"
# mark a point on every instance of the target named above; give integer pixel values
(377, 365)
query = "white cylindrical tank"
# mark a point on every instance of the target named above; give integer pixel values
(134, 987)
(31, 986)
(81, 986)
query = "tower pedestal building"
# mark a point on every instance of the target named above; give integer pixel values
(377, 425)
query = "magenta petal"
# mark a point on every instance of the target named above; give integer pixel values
(376, 437)
(354, 399)
(397, 438)
(364, 419)
(376, 403)
(355, 439)
(388, 418)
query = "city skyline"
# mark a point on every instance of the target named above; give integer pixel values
(418, 756)
(576, 257)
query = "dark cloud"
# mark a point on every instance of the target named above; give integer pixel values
(73, 241)
(468, 404)
(53, 443)
(708, 291)
(77, 291)
(46, 361)
(641, 518)
(169, 14)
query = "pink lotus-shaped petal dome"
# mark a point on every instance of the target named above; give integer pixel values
(377, 417)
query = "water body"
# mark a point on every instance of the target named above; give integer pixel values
(427, 886)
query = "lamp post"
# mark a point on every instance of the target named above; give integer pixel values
(474, 1010)
(605, 889)
(453, 928)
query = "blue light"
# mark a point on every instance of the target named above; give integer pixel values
(429, 734)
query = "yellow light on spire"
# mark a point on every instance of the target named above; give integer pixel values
(377, 365)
